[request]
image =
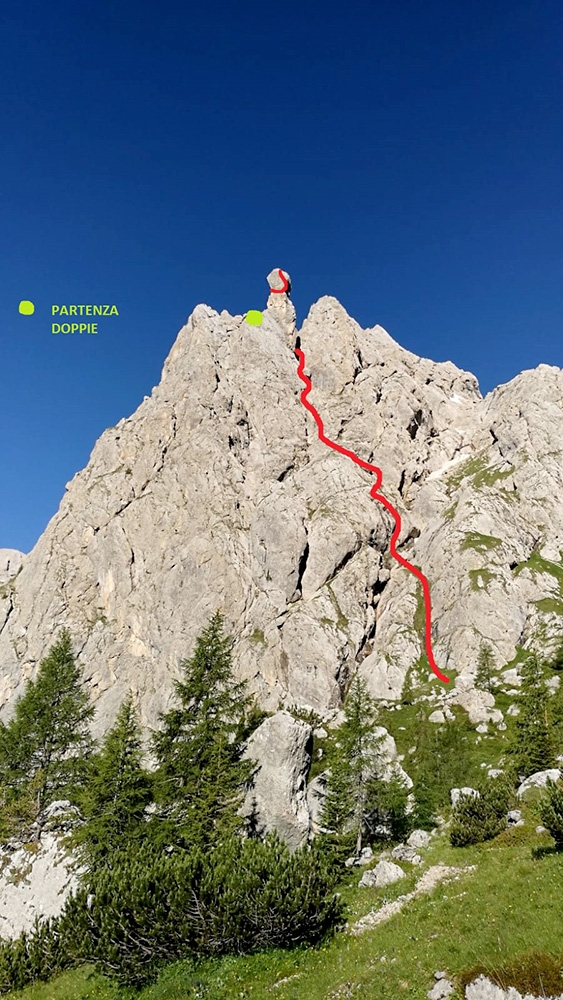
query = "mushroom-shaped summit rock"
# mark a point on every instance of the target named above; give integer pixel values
(279, 304)
(279, 281)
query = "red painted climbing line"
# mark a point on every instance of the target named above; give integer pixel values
(376, 495)
(278, 291)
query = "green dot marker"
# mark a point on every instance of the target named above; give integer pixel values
(254, 317)
(26, 307)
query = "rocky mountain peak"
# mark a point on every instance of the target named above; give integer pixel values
(217, 492)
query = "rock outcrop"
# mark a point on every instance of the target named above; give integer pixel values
(216, 492)
(278, 798)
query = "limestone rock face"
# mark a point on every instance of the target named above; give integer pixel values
(216, 493)
(36, 880)
(10, 563)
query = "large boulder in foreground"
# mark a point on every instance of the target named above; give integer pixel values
(277, 800)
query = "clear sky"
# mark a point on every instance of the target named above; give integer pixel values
(405, 157)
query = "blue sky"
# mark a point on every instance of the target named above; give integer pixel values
(405, 157)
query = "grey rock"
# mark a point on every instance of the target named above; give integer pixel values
(483, 989)
(217, 493)
(494, 772)
(514, 817)
(384, 873)
(539, 780)
(442, 989)
(437, 716)
(11, 560)
(278, 797)
(541, 829)
(512, 677)
(418, 838)
(403, 853)
(34, 883)
(275, 281)
(456, 792)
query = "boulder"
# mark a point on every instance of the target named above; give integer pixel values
(34, 883)
(483, 989)
(442, 988)
(539, 780)
(514, 817)
(437, 716)
(277, 799)
(384, 873)
(11, 561)
(418, 838)
(403, 853)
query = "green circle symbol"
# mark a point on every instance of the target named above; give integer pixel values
(26, 307)
(254, 317)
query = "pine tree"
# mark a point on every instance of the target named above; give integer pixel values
(116, 793)
(485, 668)
(532, 749)
(200, 778)
(352, 788)
(551, 812)
(556, 713)
(46, 745)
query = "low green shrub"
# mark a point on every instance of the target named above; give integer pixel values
(477, 818)
(151, 908)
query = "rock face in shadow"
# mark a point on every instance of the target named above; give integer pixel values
(216, 493)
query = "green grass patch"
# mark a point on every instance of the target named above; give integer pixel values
(481, 543)
(341, 620)
(258, 636)
(477, 469)
(480, 578)
(537, 565)
(450, 512)
(549, 605)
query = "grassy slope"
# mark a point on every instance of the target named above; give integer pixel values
(510, 904)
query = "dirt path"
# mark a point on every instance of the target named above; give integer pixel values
(431, 878)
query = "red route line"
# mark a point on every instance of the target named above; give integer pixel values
(374, 493)
(278, 291)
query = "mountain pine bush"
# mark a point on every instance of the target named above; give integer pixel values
(477, 818)
(151, 908)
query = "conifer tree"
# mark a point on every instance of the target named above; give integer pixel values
(45, 747)
(485, 668)
(200, 778)
(116, 793)
(556, 713)
(551, 812)
(352, 788)
(532, 749)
